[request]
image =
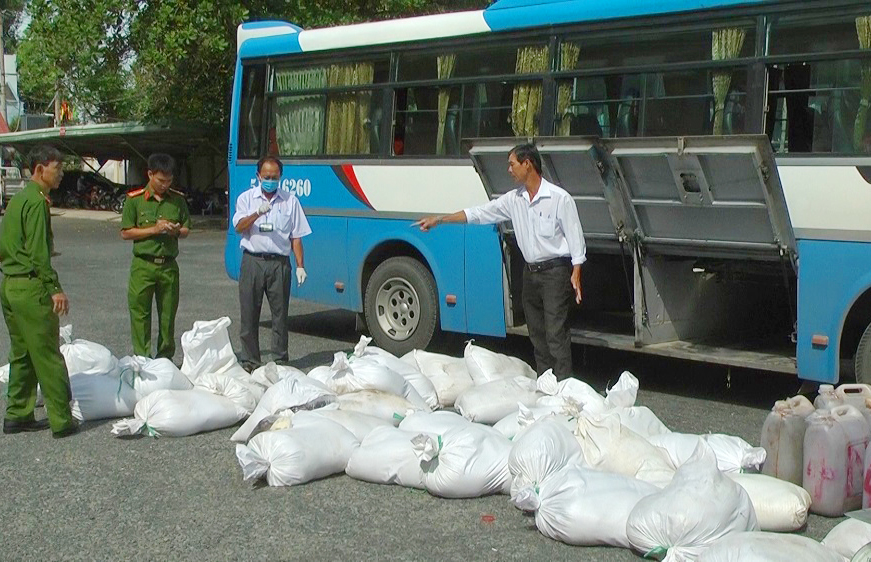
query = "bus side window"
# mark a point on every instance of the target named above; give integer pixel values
(251, 114)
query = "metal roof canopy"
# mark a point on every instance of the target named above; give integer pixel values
(124, 141)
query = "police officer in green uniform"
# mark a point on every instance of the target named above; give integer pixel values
(32, 301)
(154, 217)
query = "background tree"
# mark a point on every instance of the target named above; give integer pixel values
(78, 49)
(160, 59)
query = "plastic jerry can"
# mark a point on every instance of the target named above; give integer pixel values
(783, 439)
(834, 460)
(827, 398)
(854, 394)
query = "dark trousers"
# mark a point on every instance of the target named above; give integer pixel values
(257, 277)
(547, 299)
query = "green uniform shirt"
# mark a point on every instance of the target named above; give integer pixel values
(142, 209)
(26, 241)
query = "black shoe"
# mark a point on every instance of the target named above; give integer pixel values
(66, 432)
(12, 426)
(282, 361)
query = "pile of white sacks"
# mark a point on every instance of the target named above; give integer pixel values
(594, 469)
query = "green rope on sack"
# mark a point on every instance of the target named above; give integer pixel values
(439, 442)
(150, 431)
(121, 380)
(657, 553)
(399, 417)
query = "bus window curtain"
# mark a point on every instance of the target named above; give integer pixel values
(526, 104)
(725, 44)
(348, 112)
(863, 30)
(569, 53)
(446, 65)
(299, 120)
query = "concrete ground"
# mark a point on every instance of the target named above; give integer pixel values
(97, 497)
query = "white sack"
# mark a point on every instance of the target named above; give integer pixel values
(733, 453)
(492, 401)
(768, 547)
(609, 446)
(448, 375)
(542, 449)
(366, 374)
(780, 506)
(698, 507)
(486, 366)
(465, 462)
(86, 357)
(289, 457)
(207, 348)
(360, 425)
(569, 392)
(624, 393)
(299, 392)
(386, 456)
(641, 420)
(222, 385)
(376, 403)
(848, 537)
(149, 375)
(269, 374)
(235, 371)
(177, 413)
(584, 507)
(97, 397)
(434, 423)
(515, 422)
(412, 375)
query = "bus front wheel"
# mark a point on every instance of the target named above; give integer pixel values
(863, 358)
(401, 305)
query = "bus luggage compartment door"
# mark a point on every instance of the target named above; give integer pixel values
(698, 201)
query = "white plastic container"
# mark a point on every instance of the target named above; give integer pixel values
(866, 481)
(854, 394)
(783, 439)
(834, 455)
(827, 398)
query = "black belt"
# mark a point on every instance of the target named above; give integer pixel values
(30, 275)
(157, 260)
(266, 256)
(548, 264)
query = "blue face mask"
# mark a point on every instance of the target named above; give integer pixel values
(269, 186)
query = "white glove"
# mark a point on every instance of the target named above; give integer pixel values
(300, 275)
(264, 208)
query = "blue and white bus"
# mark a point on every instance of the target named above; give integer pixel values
(719, 152)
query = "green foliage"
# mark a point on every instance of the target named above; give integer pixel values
(160, 59)
(185, 58)
(77, 47)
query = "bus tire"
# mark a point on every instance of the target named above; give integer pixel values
(401, 305)
(863, 358)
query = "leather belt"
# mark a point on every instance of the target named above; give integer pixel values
(157, 260)
(266, 256)
(548, 264)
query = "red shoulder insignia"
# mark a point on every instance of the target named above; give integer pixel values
(136, 192)
(177, 192)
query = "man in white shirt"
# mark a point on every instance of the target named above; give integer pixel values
(272, 224)
(551, 239)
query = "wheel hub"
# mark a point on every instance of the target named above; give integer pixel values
(398, 308)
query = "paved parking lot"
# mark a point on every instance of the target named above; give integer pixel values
(97, 497)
